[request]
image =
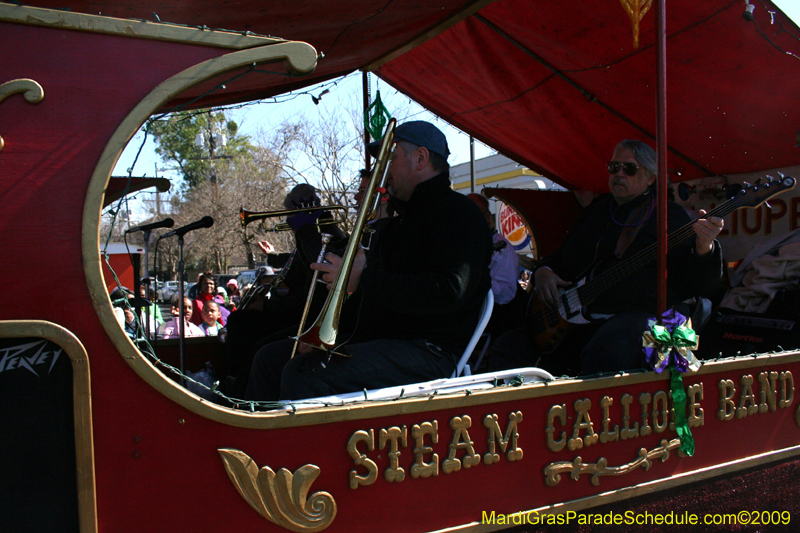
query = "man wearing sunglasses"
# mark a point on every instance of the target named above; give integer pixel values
(612, 229)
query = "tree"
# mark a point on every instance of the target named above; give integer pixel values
(252, 181)
(325, 150)
(199, 143)
(325, 153)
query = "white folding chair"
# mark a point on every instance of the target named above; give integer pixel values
(462, 368)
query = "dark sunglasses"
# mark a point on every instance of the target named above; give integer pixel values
(630, 169)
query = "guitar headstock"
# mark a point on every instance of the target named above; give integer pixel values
(753, 195)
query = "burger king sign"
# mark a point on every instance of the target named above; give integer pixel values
(513, 228)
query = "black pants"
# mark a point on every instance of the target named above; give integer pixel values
(608, 345)
(370, 365)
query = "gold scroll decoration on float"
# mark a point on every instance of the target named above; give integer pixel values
(31, 90)
(577, 468)
(636, 10)
(281, 498)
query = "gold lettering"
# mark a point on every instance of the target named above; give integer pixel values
(671, 412)
(361, 459)
(509, 442)
(461, 441)
(606, 435)
(748, 397)
(628, 432)
(756, 227)
(694, 395)
(392, 435)
(582, 422)
(660, 397)
(768, 391)
(420, 468)
(560, 412)
(644, 401)
(794, 216)
(787, 389)
(726, 405)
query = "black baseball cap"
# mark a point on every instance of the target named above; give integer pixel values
(420, 133)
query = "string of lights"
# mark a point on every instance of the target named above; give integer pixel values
(145, 348)
(774, 20)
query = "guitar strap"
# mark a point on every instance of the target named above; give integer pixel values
(632, 226)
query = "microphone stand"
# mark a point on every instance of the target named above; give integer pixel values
(181, 319)
(205, 222)
(146, 236)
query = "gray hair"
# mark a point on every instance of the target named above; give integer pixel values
(643, 153)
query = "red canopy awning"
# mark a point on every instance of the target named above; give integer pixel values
(556, 85)
(553, 85)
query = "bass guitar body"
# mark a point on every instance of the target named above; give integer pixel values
(549, 325)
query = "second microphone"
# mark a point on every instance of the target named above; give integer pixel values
(205, 222)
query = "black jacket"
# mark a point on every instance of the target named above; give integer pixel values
(427, 270)
(589, 250)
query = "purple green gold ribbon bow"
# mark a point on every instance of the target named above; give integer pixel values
(669, 345)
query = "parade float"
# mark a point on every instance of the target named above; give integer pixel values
(97, 436)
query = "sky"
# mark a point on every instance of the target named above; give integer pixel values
(266, 115)
(790, 7)
(345, 90)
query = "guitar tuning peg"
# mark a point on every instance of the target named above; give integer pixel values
(758, 181)
(770, 179)
(781, 174)
(747, 184)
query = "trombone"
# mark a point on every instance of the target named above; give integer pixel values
(322, 334)
(246, 217)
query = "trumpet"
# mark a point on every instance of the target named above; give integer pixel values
(246, 217)
(322, 334)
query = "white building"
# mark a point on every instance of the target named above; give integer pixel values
(498, 171)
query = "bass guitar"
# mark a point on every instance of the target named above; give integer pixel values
(548, 326)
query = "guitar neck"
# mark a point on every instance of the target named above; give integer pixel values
(614, 275)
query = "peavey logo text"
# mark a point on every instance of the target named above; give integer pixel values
(32, 356)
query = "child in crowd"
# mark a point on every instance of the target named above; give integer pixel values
(171, 328)
(211, 319)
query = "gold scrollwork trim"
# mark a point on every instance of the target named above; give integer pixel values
(142, 29)
(281, 498)
(577, 468)
(31, 90)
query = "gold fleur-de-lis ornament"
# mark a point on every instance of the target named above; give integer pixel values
(636, 10)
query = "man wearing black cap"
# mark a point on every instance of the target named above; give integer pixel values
(416, 294)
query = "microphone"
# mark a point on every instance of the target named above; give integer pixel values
(166, 223)
(205, 222)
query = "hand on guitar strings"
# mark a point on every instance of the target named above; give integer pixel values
(547, 286)
(707, 229)
(330, 268)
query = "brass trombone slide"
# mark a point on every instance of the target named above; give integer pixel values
(322, 334)
(246, 217)
(326, 239)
